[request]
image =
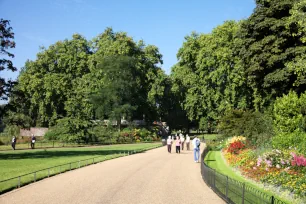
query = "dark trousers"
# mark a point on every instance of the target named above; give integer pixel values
(182, 145)
(178, 149)
(32, 145)
(169, 148)
(188, 145)
(13, 145)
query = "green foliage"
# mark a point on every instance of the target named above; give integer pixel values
(207, 125)
(290, 120)
(272, 49)
(289, 113)
(295, 140)
(255, 126)
(115, 98)
(71, 130)
(6, 42)
(209, 76)
(59, 83)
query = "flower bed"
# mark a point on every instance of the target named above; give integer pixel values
(284, 169)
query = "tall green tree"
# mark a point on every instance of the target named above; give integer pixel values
(148, 59)
(273, 49)
(47, 83)
(115, 98)
(209, 74)
(6, 42)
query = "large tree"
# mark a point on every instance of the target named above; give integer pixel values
(6, 42)
(273, 49)
(56, 87)
(209, 74)
(115, 99)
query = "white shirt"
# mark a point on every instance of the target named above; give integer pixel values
(194, 143)
(187, 139)
(182, 139)
(169, 141)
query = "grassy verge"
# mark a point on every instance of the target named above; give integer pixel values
(214, 160)
(17, 163)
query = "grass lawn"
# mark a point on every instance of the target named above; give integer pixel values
(214, 160)
(20, 162)
(210, 136)
(38, 145)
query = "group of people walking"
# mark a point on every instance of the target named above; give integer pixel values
(180, 143)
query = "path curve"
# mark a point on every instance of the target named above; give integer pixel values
(155, 177)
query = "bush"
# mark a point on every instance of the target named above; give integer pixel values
(289, 113)
(255, 126)
(295, 140)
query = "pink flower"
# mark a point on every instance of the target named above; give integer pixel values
(267, 169)
(293, 154)
(259, 160)
(282, 162)
(269, 163)
(254, 168)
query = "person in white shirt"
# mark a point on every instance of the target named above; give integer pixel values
(196, 148)
(169, 144)
(187, 142)
(182, 141)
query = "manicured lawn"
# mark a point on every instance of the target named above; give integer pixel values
(17, 163)
(214, 160)
(39, 145)
(210, 136)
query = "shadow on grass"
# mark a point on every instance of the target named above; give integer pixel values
(209, 160)
(61, 153)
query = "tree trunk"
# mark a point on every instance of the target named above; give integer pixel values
(119, 124)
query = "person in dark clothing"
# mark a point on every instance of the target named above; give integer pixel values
(33, 140)
(178, 145)
(14, 140)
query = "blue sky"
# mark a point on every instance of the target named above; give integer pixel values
(163, 23)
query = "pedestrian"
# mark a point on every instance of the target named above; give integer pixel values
(188, 142)
(178, 145)
(182, 140)
(196, 148)
(169, 144)
(33, 140)
(14, 140)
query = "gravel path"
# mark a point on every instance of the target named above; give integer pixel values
(151, 177)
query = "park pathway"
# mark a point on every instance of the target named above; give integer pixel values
(155, 177)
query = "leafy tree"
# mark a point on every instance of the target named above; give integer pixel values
(167, 102)
(6, 42)
(147, 59)
(273, 48)
(47, 83)
(209, 75)
(115, 98)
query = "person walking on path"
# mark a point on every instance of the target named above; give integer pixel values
(196, 148)
(33, 140)
(182, 140)
(187, 142)
(178, 145)
(14, 140)
(169, 144)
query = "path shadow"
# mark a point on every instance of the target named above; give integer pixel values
(61, 153)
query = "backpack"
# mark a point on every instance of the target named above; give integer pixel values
(198, 143)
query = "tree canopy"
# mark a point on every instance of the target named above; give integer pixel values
(6, 42)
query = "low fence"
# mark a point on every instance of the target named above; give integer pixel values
(231, 190)
(19, 181)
